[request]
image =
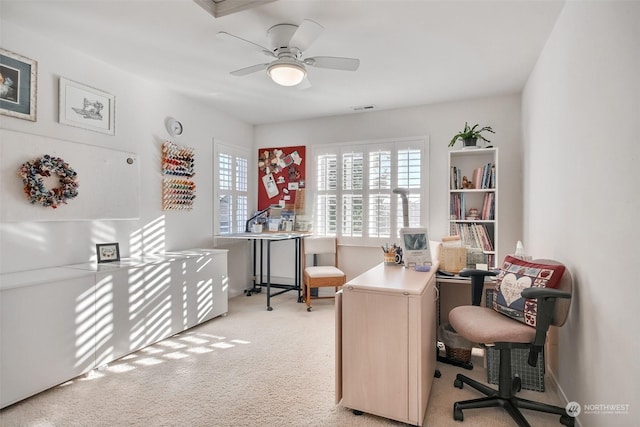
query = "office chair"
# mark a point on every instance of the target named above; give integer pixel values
(320, 276)
(506, 327)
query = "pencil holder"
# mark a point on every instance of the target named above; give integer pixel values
(390, 258)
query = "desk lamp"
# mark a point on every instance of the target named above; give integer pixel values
(405, 204)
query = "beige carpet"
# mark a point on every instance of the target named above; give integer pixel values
(250, 368)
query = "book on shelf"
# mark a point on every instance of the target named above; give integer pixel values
(477, 178)
(492, 180)
(457, 208)
(455, 180)
(488, 207)
(473, 235)
(488, 176)
(454, 207)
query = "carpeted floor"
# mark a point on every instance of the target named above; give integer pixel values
(249, 368)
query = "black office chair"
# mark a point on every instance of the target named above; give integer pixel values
(487, 326)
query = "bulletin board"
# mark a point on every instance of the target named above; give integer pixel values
(108, 180)
(281, 173)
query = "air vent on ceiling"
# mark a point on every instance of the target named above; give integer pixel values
(219, 8)
(364, 108)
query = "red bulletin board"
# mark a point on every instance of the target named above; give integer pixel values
(281, 172)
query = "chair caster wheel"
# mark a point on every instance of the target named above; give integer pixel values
(516, 385)
(457, 413)
(356, 412)
(269, 308)
(567, 420)
(437, 373)
(457, 383)
(309, 309)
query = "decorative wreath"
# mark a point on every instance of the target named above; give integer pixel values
(32, 173)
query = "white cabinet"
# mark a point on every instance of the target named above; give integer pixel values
(203, 280)
(47, 330)
(385, 342)
(473, 203)
(61, 322)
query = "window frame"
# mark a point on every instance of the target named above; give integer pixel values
(235, 151)
(366, 147)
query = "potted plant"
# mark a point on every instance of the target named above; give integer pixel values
(470, 135)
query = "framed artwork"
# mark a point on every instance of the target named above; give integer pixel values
(86, 107)
(108, 252)
(415, 246)
(18, 85)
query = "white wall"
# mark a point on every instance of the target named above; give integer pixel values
(439, 122)
(141, 108)
(581, 121)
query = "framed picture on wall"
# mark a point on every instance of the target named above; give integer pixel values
(86, 107)
(18, 85)
(108, 252)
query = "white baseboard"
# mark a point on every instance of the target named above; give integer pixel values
(561, 392)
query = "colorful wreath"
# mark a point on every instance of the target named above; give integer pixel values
(32, 173)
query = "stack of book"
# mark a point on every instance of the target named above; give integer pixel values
(489, 207)
(473, 235)
(484, 177)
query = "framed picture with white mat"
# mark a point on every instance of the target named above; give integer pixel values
(415, 246)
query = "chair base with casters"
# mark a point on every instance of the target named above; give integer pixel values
(505, 396)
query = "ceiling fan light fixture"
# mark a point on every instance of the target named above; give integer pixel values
(286, 73)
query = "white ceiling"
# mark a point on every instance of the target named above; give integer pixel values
(411, 52)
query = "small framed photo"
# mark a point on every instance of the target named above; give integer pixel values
(86, 107)
(108, 252)
(18, 85)
(415, 246)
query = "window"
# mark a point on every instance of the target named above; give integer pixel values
(354, 183)
(233, 188)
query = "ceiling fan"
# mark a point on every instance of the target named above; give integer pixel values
(287, 43)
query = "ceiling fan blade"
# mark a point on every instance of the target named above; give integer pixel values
(333, 62)
(304, 84)
(223, 35)
(249, 70)
(306, 34)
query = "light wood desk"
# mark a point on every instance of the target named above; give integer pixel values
(385, 342)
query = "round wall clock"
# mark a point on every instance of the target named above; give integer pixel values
(174, 127)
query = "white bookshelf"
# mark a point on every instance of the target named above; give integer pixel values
(479, 233)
